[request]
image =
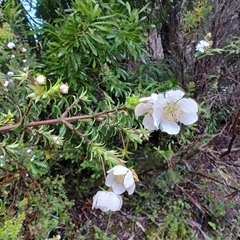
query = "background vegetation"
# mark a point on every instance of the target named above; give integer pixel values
(54, 147)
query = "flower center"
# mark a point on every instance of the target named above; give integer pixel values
(120, 178)
(172, 112)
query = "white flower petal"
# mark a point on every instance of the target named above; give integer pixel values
(144, 99)
(115, 202)
(158, 106)
(154, 97)
(169, 127)
(107, 201)
(110, 179)
(142, 108)
(128, 180)
(131, 189)
(99, 201)
(188, 105)
(188, 118)
(174, 95)
(119, 170)
(148, 123)
(118, 188)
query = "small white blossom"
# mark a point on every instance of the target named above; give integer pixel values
(24, 60)
(25, 69)
(24, 50)
(13, 56)
(41, 79)
(64, 88)
(32, 158)
(29, 150)
(202, 45)
(120, 179)
(11, 45)
(145, 106)
(171, 108)
(10, 74)
(107, 201)
(6, 83)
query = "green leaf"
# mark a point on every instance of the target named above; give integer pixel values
(91, 46)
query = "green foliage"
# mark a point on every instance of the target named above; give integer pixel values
(12, 226)
(5, 32)
(175, 226)
(55, 146)
(193, 17)
(20, 216)
(90, 44)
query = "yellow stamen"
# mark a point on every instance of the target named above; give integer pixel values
(120, 178)
(172, 112)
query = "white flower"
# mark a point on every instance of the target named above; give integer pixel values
(120, 179)
(24, 60)
(24, 50)
(202, 45)
(29, 150)
(64, 88)
(11, 45)
(41, 79)
(10, 74)
(12, 56)
(107, 201)
(25, 69)
(145, 106)
(171, 108)
(58, 237)
(6, 83)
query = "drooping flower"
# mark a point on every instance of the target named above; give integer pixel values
(64, 88)
(120, 179)
(41, 79)
(11, 45)
(171, 108)
(107, 201)
(145, 106)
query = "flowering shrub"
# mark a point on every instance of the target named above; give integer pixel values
(74, 106)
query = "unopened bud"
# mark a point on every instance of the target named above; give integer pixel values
(64, 88)
(41, 79)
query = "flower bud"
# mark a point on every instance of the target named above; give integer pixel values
(11, 45)
(64, 88)
(41, 79)
(24, 50)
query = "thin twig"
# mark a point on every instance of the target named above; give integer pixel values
(59, 120)
(69, 108)
(75, 131)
